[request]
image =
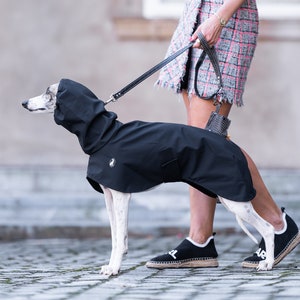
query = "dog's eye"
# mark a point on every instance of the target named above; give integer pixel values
(48, 97)
(49, 94)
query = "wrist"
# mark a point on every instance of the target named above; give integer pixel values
(222, 21)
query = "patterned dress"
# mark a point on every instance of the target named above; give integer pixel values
(235, 50)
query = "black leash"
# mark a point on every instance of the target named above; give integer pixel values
(206, 51)
(211, 52)
(127, 88)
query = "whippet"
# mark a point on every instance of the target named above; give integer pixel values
(135, 156)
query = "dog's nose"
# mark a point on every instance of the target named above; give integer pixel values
(24, 103)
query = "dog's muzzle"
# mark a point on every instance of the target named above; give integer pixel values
(25, 103)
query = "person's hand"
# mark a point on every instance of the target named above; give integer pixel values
(211, 29)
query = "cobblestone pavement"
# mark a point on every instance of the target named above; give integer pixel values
(69, 269)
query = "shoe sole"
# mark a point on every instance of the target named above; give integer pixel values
(205, 263)
(291, 246)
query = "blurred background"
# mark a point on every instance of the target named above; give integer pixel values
(105, 45)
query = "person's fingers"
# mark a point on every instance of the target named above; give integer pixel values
(197, 44)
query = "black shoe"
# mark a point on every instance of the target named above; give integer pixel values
(187, 255)
(284, 244)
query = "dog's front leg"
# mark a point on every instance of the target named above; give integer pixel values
(245, 211)
(107, 269)
(121, 205)
(117, 206)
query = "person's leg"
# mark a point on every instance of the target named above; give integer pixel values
(198, 250)
(202, 207)
(263, 202)
(287, 235)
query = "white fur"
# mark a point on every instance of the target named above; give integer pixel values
(244, 211)
(117, 204)
(44, 103)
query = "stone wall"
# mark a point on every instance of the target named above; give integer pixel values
(94, 42)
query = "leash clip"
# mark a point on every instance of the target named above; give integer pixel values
(112, 98)
(220, 95)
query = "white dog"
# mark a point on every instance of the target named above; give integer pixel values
(122, 161)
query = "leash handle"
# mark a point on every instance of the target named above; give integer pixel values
(130, 86)
(211, 52)
(216, 123)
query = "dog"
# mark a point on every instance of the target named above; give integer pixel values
(136, 156)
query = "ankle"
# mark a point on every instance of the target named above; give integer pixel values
(282, 225)
(201, 245)
(277, 221)
(200, 238)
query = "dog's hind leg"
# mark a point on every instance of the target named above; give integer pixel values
(117, 206)
(245, 212)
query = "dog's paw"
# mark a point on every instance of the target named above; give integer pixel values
(108, 270)
(265, 265)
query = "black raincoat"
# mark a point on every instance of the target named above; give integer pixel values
(137, 156)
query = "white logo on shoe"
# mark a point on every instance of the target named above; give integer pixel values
(261, 253)
(172, 253)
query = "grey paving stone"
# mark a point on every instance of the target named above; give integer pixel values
(69, 268)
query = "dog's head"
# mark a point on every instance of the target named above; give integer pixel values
(78, 110)
(44, 103)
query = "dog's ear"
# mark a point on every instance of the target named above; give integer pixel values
(53, 88)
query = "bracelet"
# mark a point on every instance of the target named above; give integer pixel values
(222, 21)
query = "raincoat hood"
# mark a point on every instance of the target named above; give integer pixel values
(82, 113)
